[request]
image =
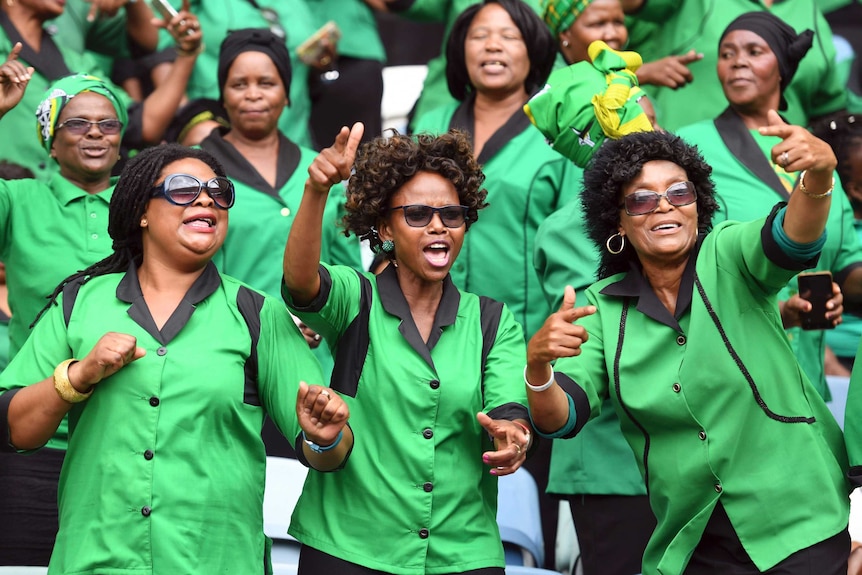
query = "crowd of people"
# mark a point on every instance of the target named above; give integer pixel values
(643, 182)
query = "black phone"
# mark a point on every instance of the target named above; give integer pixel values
(816, 288)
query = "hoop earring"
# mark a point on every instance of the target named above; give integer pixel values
(622, 244)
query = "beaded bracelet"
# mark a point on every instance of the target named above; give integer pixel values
(542, 387)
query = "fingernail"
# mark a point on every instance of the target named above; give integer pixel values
(485, 458)
(493, 472)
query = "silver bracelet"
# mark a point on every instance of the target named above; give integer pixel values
(542, 387)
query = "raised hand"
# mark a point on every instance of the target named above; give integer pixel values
(321, 412)
(799, 148)
(14, 77)
(559, 336)
(511, 442)
(333, 164)
(111, 353)
(671, 71)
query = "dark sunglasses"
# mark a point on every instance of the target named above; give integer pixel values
(183, 189)
(80, 126)
(418, 215)
(643, 202)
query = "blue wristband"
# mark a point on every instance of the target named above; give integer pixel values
(322, 449)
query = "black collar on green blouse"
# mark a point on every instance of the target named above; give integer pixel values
(464, 119)
(741, 144)
(635, 284)
(48, 61)
(395, 304)
(240, 169)
(129, 291)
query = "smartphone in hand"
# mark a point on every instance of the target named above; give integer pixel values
(164, 9)
(314, 46)
(816, 288)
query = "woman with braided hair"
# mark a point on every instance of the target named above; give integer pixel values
(164, 416)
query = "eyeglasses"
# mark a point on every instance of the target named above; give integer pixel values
(183, 190)
(644, 202)
(418, 215)
(80, 126)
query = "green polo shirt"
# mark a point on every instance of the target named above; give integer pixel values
(260, 221)
(217, 18)
(749, 431)
(415, 497)
(526, 181)
(47, 232)
(165, 468)
(743, 194)
(816, 88)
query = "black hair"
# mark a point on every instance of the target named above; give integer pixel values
(12, 171)
(384, 165)
(618, 162)
(129, 201)
(843, 132)
(541, 47)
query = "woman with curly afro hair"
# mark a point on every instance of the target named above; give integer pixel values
(683, 334)
(431, 374)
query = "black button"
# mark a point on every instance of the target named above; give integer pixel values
(162, 350)
(676, 387)
(680, 340)
(702, 435)
(434, 384)
(148, 454)
(154, 401)
(428, 487)
(423, 533)
(427, 434)
(718, 488)
(145, 511)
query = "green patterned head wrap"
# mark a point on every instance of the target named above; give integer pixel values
(585, 103)
(61, 92)
(559, 15)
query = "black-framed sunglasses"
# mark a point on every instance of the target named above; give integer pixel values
(80, 126)
(419, 215)
(183, 190)
(644, 202)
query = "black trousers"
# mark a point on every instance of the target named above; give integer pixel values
(613, 531)
(354, 97)
(314, 562)
(28, 506)
(721, 553)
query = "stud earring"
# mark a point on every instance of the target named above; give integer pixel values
(565, 43)
(144, 222)
(387, 246)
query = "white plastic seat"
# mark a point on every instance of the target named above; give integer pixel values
(401, 88)
(284, 480)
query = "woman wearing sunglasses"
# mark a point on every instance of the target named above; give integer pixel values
(434, 387)
(682, 333)
(153, 357)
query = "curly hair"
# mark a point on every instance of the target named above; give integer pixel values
(384, 165)
(541, 46)
(128, 204)
(618, 162)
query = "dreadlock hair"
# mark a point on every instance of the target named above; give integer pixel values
(843, 132)
(128, 204)
(385, 164)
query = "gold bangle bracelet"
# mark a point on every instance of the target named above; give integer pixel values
(64, 387)
(805, 191)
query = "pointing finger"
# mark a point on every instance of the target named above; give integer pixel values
(568, 299)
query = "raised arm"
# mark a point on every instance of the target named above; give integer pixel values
(801, 151)
(14, 77)
(302, 252)
(36, 411)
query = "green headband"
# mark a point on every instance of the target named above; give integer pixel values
(61, 92)
(585, 103)
(559, 15)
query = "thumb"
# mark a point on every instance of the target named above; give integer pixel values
(568, 299)
(773, 119)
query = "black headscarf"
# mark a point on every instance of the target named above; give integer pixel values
(788, 46)
(253, 40)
